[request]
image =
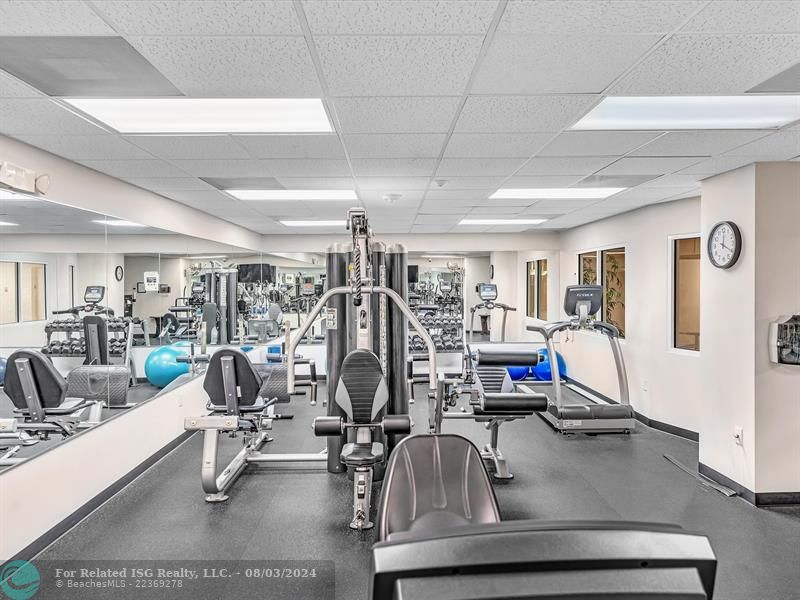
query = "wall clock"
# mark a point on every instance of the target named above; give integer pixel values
(724, 244)
(118, 273)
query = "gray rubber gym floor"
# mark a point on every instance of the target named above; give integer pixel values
(281, 512)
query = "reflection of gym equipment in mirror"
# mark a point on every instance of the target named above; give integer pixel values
(487, 292)
(41, 406)
(582, 413)
(784, 341)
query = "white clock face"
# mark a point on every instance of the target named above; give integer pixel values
(724, 246)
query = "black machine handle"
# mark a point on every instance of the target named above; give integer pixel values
(324, 426)
(513, 402)
(506, 358)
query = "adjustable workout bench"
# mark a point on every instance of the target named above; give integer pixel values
(441, 538)
(495, 399)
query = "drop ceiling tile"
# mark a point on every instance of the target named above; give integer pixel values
(466, 183)
(720, 164)
(710, 64)
(283, 210)
(401, 145)
(396, 114)
(455, 197)
(233, 66)
(641, 196)
(316, 183)
(86, 147)
(165, 185)
(397, 65)
(746, 16)
(590, 16)
(677, 180)
(189, 17)
(698, 143)
(429, 207)
(381, 167)
(597, 143)
(291, 146)
(377, 198)
(522, 113)
(541, 181)
(404, 17)
(189, 146)
(135, 168)
(569, 165)
(444, 228)
(787, 81)
(303, 167)
(495, 145)
(622, 181)
(204, 197)
(557, 63)
(496, 209)
(782, 145)
(40, 116)
(11, 87)
(559, 205)
(393, 184)
(223, 167)
(478, 166)
(650, 166)
(440, 220)
(57, 17)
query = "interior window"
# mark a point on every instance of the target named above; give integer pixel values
(531, 312)
(587, 268)
(32, 297)
(687, 294)
(541, 289)
(614, 288)
(8, 293)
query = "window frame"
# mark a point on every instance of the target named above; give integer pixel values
(598, 251)
(17, 315)
(19, 290)
(672, 291)
(532, 287)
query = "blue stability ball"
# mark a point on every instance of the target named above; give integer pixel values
(542, 370)
(161, 367)
(3, 364)
(517, 373)
(246, 348)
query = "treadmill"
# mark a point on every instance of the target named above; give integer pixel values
(580, 413)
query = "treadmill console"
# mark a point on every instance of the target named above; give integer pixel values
(94, 294)
(307, 289)
(487, 292)
(588, 297)
(445, 286)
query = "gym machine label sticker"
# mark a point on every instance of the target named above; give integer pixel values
(151, 281)
(330, 319)
(571, 423)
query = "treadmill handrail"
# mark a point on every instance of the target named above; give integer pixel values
(548, 331)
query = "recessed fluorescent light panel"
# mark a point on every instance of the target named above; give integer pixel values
(314, 223)
(287, 195)
(117, 223)
(692, 112)
(442, 256)
(7, 224)
(207, 115)
(501, 221)
(554, 193)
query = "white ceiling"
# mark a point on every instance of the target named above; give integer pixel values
(441, 102)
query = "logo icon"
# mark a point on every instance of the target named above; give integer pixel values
(19, 580)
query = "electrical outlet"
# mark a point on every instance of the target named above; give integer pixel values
(738, 435)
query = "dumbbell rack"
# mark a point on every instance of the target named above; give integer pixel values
(75, 346)
(440, 327)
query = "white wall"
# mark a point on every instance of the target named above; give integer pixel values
(777, 294)
(476, 270)
(665, 384)
(506, 277)
(98, 269)
(151, 304)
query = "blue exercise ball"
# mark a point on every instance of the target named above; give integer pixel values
(541, 370)
(517, 373)
(183, 344)
(161, 368)
(3, 363)
(246, 348)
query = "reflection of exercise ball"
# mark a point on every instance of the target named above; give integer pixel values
(517, 373)
(182, 344)
(542, 369)
(3, 364)
(161, 367)
(246, 348)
